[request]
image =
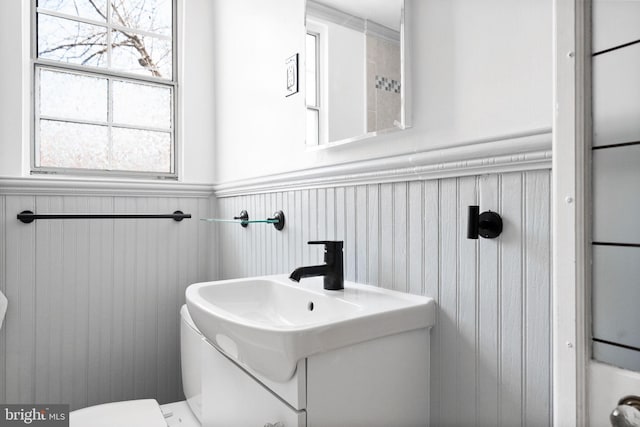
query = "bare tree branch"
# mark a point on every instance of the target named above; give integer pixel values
(128, 17)
(101, 52)
(145, 59)
(93, 3)
(70, 46)
(89, 40)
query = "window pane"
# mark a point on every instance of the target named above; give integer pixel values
(135, 53)
(73, 145)
(312, 67)
(141, 105)
(70, 41)
(147, 15)
(92, 120)
(313, 127)
(141, 150)
(90, 9)
(72, 96)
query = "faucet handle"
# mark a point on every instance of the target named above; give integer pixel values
(329, 245)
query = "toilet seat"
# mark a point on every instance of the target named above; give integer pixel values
(130, 413)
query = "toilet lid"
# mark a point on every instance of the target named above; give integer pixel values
(130, 413)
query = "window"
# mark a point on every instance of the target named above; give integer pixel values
(312, 88)
(104, 79)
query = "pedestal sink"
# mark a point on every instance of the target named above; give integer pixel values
(269, 323)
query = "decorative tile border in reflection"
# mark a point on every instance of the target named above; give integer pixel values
(389, 85)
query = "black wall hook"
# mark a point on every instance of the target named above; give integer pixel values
(486, 224)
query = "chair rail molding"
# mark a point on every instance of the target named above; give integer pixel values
(88, 187)
(507, 153)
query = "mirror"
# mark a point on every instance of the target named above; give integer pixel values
(354, 70)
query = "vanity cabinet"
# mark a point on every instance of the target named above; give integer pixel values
(233, 397)
(381, 382)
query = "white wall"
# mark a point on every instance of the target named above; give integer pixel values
(196, 131)
(14, 86)
(196, 89)
(480, 69)
(261, 129)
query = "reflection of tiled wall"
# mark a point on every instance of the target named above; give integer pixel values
(616, 183)
(389, 85)
(383, 83)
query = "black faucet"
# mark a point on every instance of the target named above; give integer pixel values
(332, 270)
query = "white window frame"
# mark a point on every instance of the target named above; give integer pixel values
(320, 31)
(110, 75)
(318, 83)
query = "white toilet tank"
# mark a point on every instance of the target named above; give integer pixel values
(190, 353)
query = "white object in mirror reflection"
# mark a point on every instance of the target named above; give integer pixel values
(355, 70)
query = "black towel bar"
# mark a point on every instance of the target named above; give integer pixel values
(28, 216)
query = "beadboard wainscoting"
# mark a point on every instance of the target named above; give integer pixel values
(491, 347)
(93, 304)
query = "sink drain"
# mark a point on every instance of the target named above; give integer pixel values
(310, 306)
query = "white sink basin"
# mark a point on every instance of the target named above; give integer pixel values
(269, 323)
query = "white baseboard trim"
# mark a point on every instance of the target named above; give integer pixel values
(84, 187)
(510, 153)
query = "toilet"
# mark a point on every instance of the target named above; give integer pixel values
(147, 412)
